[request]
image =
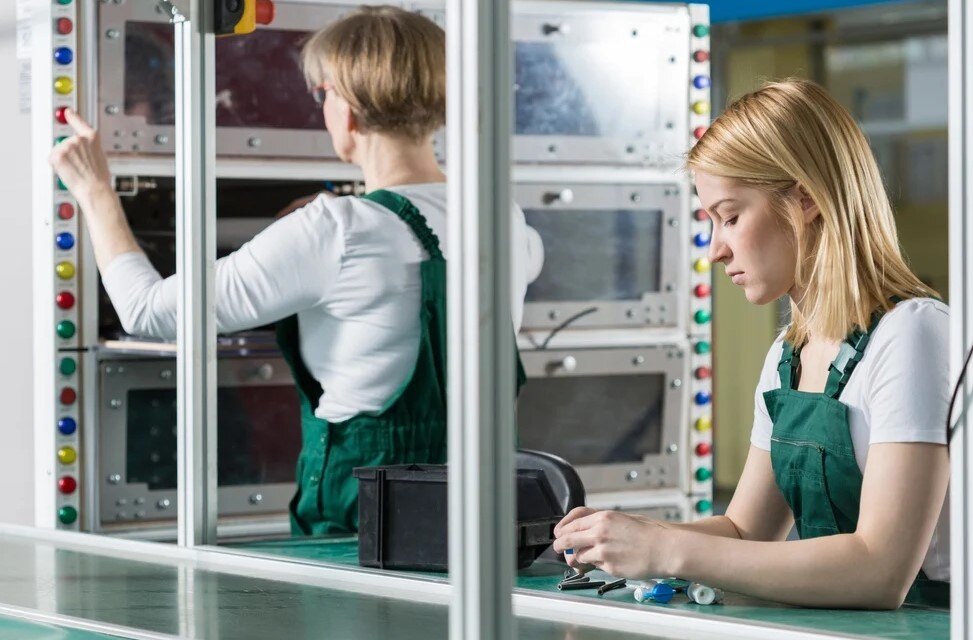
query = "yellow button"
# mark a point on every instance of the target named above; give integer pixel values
(67, 455)
(701, 107)
(703, 424)
(64, 85)
(64, 270)
(702, 265)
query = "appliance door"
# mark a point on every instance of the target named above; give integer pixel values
(587, 83)
(612, 251)
(263, 106)
(259, 434)
(617, 415)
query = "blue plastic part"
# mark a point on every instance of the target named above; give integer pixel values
(662, 593)
(67, 426)
(63, 55)
(702, 398)
(701, 239)
(701, 82)
(64, 241)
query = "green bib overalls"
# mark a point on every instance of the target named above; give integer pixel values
(813, 457)
(410, 428)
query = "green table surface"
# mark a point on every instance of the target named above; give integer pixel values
(27, 630)
(544, 575)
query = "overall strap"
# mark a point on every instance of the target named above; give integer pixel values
(786, 366)
(849, 355)
(409, 214)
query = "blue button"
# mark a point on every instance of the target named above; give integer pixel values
(67, 426)
(701, 239)
(702, 398)
(63, 55)
(64, 240)
(701, 82)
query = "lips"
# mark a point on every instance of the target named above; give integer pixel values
(735, 276)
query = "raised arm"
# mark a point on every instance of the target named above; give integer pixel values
(288, 267)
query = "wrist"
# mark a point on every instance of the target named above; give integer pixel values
(90, 195)
(675, 551)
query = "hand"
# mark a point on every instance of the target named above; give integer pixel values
(294, 205)
(80, 161)
(620, 544)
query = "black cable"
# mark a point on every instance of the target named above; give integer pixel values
(559, 327)
(952, 401)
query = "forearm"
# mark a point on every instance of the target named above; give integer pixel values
(107, 226)
(838, 571)
(719, 526)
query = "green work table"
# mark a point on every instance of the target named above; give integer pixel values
(543, 576)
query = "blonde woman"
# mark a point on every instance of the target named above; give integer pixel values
(357, 284)
(848, 440)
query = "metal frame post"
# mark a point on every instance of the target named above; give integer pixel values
(195, 262)
(481, 340)
(961, 300)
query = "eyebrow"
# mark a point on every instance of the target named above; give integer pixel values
(714, 206)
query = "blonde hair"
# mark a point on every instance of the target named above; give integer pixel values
(848, 259)
(389, 64)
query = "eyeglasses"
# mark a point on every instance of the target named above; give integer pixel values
(320, 92)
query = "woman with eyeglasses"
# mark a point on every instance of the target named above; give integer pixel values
(355, 284)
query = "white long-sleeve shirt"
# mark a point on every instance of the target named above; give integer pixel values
(349, 269)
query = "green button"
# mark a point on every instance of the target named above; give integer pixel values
(703, 506)
(64, 2)
(60, 139)
(702, 316)
(701, 347)
(703, 474)
(67, 515)
(61, 185)
(701, 30)
(65, 329)
(68, 366)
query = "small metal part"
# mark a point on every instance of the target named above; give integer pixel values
(580, 584)
(611, 586)
(577, 577)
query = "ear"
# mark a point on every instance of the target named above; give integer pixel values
(808, 207)
(351, 121)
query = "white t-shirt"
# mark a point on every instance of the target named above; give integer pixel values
(899, 392)
(349, 269)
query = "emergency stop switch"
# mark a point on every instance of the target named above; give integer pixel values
(241, 16)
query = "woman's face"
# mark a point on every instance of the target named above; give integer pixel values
(749, 238)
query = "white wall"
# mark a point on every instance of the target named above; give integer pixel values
(16, 365)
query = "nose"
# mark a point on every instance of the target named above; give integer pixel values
(718, 249)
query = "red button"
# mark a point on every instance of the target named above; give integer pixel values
(698, 132)
(703, 449)
(265, 12)
(700, 214)
(60, 116)
(64, 26)
(701, 55)
(68, 395)
(64, 300)
(67, 484)
(701, 290)
(65, 211)
(703, 373)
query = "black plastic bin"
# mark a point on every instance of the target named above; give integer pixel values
(403, 523)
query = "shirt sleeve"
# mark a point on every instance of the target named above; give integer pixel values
(907, 392)
(524, 249)
(289, 266)
(763, 426)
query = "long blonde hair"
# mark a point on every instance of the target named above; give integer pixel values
(848, 259)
